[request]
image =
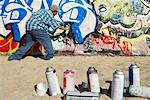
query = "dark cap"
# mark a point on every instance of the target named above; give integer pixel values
(54, 8)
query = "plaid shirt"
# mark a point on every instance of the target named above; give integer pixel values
(42, 19)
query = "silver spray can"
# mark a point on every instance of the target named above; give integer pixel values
(93, 80)
(140, 91)
(134, 75)
(52, 79)
(117, 87)
(68, 82)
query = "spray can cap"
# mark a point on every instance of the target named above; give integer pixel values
(118, 71)
(91, 70)
(49, 69)
(69, 71)
(131, 65)
(135, 66)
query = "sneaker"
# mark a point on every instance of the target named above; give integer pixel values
(52, 58)
(46, 58)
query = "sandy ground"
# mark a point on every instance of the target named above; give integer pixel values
(17, 78)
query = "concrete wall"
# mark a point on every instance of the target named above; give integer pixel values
(103, 26)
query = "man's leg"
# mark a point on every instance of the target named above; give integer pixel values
(23, 49)
(45, 40)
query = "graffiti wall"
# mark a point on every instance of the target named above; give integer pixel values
(120, 27)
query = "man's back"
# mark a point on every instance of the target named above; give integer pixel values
(42, 19)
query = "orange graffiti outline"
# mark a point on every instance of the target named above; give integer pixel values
(9, 41)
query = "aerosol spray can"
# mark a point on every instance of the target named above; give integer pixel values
(140, 91)
(93, 80)
(134, 75)
(117, 87)
(52, 80)
(68, 82)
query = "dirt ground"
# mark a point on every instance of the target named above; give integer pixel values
(18, 78)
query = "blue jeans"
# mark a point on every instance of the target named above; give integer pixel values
(31, 37)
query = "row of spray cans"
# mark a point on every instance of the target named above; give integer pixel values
(68, 81)
(117, 88)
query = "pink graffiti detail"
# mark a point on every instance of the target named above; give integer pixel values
(109, 40)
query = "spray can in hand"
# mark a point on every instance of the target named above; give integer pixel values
(93, 80)
(117, 86)
(52, 79)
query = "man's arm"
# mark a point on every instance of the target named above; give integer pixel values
(53, 23)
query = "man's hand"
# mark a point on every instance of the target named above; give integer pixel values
(64, 28)
(68, 26)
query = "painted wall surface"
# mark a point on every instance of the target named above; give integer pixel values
(97, 26)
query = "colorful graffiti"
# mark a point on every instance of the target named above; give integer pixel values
(97, 26)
